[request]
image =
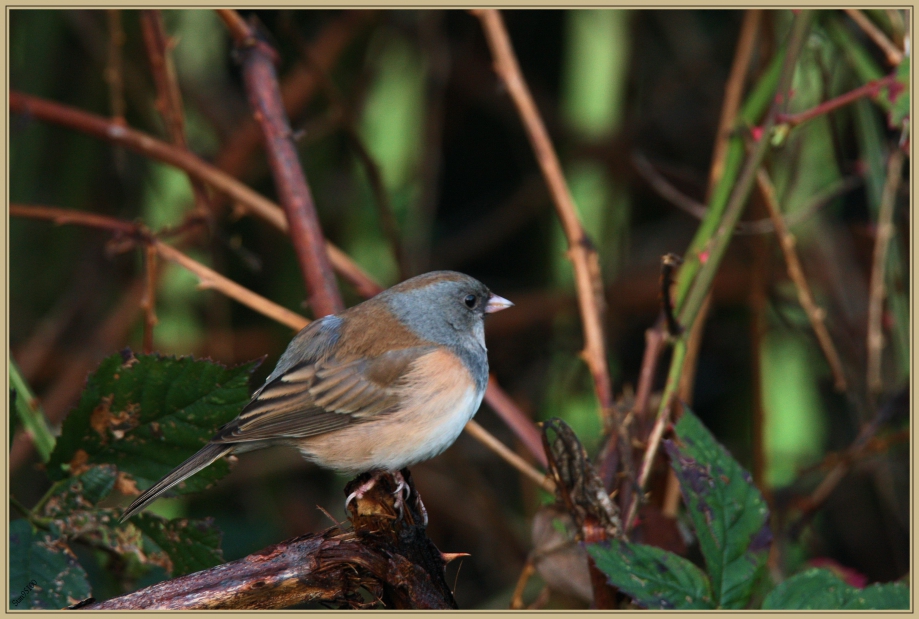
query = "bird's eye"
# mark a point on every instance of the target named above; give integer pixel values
(470, 301)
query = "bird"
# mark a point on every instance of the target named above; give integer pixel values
(378, 387)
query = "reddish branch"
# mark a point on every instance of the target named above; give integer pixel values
(871, 89)
(345, 117)
(147, 145)
(297, 89)
(102, 128)
(169, 97)
(114, 68)
(258, 60)
(581, 251)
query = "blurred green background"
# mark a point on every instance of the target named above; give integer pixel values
(416, 89)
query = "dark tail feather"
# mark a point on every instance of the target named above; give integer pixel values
(208, 454)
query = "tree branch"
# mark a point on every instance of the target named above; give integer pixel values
(147, 145)
(392, 559)
(877, 291)
(258, 59)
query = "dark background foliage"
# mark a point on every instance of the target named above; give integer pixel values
(419, 89)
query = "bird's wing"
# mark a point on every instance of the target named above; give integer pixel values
(313, 397)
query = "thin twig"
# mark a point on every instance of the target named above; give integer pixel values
(698, 210)
(486, 438)
(148, 302)
(149, 146)
(297, 89)
(261, 80)
(374, 175)
(871, 89)
(515, 419)
(815, 314)
(114, 68)
(208, 278)
(894, 55)
(885, 231)
(169, 96)
(525, 574)
(733, 91)
(581, 251)
(700, 287)
(655, 337)
(864, 444)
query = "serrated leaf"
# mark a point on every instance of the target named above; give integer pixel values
(147, 414)
(729, 514)
(70, 508)
(655, 578)
(44, 573)
(189, 545)
(80, 492)
(820, 589)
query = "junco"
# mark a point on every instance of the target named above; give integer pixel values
(380, 386)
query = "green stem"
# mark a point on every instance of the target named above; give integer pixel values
(31, 414)
(717, 244)
(756, 105)
(41, 523)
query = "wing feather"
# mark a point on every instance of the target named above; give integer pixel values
(315, 397)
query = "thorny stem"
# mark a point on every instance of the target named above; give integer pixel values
(149, 146)
(260, 77)
(715, 248)
(169, 97)
(815, 313)
(733, 91)
(581, 252)
(298, 87)
(871, 89)
(877, 290)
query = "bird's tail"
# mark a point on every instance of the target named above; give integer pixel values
(208, 454)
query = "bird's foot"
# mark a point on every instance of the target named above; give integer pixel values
(401, 494)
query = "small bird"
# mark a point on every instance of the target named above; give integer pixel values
(378, 387)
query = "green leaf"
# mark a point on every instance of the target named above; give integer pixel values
(30, 413)
(729, 513)
(190, 545)
(820, 589)
(44, 573)
(147, 414)
(69, 506)
(653, 577)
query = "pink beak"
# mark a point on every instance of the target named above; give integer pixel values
(496, 304)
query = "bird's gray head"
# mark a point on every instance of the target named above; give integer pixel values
(445, 307)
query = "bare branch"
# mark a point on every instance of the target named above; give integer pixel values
(260, 77)
(885, 230)
(581, 251)
(815, 313)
